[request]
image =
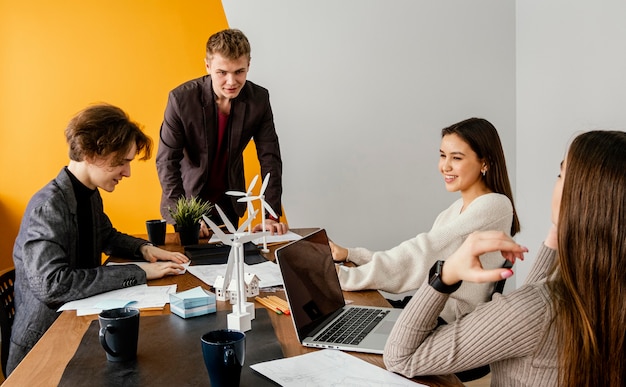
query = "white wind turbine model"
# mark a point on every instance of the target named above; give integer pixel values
(248, 193)
(264, 207)
(243, 312)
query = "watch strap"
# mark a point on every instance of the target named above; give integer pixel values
(436, 282)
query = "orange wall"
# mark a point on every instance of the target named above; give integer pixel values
(56, 57)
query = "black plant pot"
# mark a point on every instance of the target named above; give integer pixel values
(189, 235)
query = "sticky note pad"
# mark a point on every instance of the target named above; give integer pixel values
(192, 302)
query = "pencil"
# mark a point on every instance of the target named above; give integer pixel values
(270, 302)
(277, 305)
(271, 305)
(282, 303)
(268, 305)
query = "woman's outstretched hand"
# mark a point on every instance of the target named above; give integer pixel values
(464, 264)
(340, 254)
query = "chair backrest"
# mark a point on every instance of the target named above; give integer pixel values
(7, 312)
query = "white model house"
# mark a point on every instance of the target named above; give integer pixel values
(221, 293)
(251, 285)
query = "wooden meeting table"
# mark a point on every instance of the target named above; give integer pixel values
(46, 362)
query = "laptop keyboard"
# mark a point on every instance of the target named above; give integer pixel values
(352, 326)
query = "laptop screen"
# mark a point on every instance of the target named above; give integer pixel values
(310, 281)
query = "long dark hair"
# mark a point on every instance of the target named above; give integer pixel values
(484, 140)
(589, 285)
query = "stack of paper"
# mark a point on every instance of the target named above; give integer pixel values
(192, 302)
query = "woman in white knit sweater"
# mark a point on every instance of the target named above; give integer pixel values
(471, 162)
(565, 325)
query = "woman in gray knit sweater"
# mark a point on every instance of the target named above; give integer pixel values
(565, 325)
(471, 162)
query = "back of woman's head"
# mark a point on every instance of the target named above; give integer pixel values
(590, 282)
(484, 140)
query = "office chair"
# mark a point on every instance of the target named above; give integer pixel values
(7, 312)
(479, 372)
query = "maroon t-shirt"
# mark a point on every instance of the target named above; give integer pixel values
(217, 175)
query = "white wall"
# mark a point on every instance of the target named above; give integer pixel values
(571, 61)
(360, 91)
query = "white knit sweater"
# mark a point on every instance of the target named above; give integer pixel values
(404, 267)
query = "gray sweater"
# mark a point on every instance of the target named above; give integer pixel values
(512, 334)
(48, 269)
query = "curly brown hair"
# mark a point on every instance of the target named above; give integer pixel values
(102, 130)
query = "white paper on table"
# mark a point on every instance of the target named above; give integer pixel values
(329, 367)
(140, 263)
(268, 273)
(140, 296)
(286, 237)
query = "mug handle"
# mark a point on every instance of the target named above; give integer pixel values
(229, 356)
(103, 340)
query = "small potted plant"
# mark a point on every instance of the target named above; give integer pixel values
(187, 213)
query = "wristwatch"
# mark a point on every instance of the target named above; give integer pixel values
(435, 280)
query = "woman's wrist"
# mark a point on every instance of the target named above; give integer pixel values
(441, 280)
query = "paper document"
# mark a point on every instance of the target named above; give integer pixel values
(140, 296)
(286, 237)
(142, 263)
(329, 367)
(268, 273)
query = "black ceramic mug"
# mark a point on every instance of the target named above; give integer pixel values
(119, 333)
(224, 353)
(156, 231)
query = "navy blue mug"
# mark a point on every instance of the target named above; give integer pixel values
(119, 333)
(224, 352)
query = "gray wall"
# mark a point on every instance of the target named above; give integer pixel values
(361, 88)
(571, 61)
(360, 91)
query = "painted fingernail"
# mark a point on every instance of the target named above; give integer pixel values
(506, 274)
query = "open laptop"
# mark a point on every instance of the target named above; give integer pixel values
(316, 301)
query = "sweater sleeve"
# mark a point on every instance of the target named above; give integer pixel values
(543, 263)
(494, 331)
(405, 266)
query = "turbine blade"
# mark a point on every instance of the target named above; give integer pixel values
(229, 267)
(218, 231)
(252, 184)
(247, 222)
(235, 193)
(251, 237)
(269, 209)
(227, 223)
(266, 181)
